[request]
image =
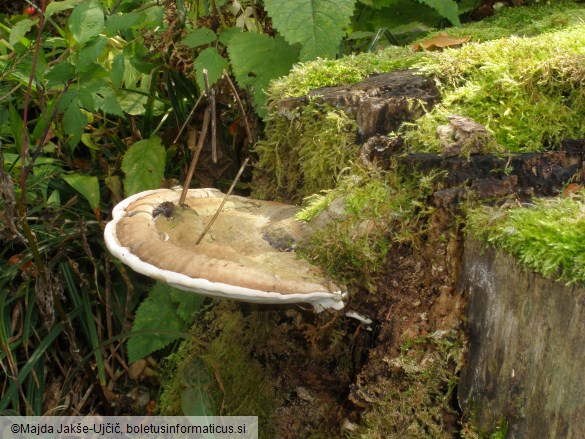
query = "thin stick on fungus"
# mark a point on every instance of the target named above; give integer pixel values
(218, 211)
(240, 106)
(195, 157)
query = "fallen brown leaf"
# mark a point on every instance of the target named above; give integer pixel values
(439, 42)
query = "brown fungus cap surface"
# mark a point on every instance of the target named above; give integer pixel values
(246, 255)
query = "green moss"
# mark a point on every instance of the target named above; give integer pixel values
(418, 393)
(304, 152)
(216, 367)
(347, 70)
(525, 91)
(381, 208)
(548, 237)
(520, 21)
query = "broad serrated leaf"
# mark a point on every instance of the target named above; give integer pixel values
(56, 7)
(318, 25)
(116, 23)
(86, 185)
(86, 21)
(144, 165)
(20, 29)
(226, 35)
(89, 95)
(117, 71)
(187, 303)
(156, 313)
(199, 37)
(110, 103)
(74, 122)
(60, 74)
(257, 59)
(87, 56)
(215, 64)
(446, 8)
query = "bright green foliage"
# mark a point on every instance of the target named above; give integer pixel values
(187, 302)
(144, 165)
(162, 314)
(251, 54)
(548, 237)
(20, 29)
(199, 37)
(446, 8)
(86, 21)
(318, 25)
(215, 64)
(121, 22)
(156, 313)
(86, 185)
(55, 7)
(73, 122)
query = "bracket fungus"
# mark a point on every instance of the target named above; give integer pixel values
(246, 255)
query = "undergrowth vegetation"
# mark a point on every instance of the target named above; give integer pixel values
(546, 236)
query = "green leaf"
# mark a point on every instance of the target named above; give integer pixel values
(60, 74)
(226, 35)
(156, 313)
(55, 7)
(88, 55)
(74, 122)
(20, 29)
(187, 303)
(401, 16)
(89, 95)
(257, 59)
(318, 25)
(117, 71)
(16, 126)
(116, 23)
(110, 103)
(86, 185)
(445, 8)
(86, 21)
(199, 37)
(215, 64)
(144, 165)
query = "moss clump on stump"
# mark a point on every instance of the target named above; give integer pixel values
(547, 236)
(303, 152)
